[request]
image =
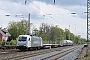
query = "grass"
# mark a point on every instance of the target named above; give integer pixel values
(83, 56)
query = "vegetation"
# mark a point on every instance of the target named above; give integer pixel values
(49, 33)
(9, 43)
(17, 28)
(82, 55)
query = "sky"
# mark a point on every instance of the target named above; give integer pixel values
(45, 11)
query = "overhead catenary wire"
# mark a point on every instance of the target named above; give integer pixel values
(39, 8)
(44, 12)
(8, 11)
(16, 15)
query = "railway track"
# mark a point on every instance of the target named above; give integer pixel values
(31, 55)
(19, 55)
(8, 51)
(59, 55)
(7, 47)
(42, 52)
(56, 55)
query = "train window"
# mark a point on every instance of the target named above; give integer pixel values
(22, 38)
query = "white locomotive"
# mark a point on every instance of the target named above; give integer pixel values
(29, 42)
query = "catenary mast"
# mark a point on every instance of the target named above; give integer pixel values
(88, 24)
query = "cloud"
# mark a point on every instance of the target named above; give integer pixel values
(43, 12)
(63, 17)
(66, 2)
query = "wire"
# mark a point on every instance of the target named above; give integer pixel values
(38, 7)
(7, 11)
(44, 12)
(17, 16)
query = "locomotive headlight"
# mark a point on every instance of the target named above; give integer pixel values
(25, 45)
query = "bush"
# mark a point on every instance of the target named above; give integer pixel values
(7, 43)
(3, 43)
(13, 42)
(0, 40)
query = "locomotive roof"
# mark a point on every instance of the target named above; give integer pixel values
(28, 36)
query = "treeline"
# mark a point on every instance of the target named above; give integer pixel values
(49, 33)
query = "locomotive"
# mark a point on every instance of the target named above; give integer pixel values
(28, 42)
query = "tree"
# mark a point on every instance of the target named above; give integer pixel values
(44, 31)
(17, 28)
(62, 37)
(55, 34)
(72, 37)
(49, 33)
(67, 33)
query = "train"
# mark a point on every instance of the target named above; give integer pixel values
(35, 42)
(28, 42)
(66, 43)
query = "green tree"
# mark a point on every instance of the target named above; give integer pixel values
(44, 32)
(55, 34)
(67, 34)
(72, 37)
(62, 37)
(49, 33)
(17, 28)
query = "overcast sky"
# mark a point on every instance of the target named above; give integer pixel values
(45, 11)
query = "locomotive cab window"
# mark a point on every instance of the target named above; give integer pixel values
(22, 38)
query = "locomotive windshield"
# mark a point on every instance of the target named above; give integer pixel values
(22, 38)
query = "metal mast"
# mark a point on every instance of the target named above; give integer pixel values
(88, 24)
(88, 20)
(29, 24)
